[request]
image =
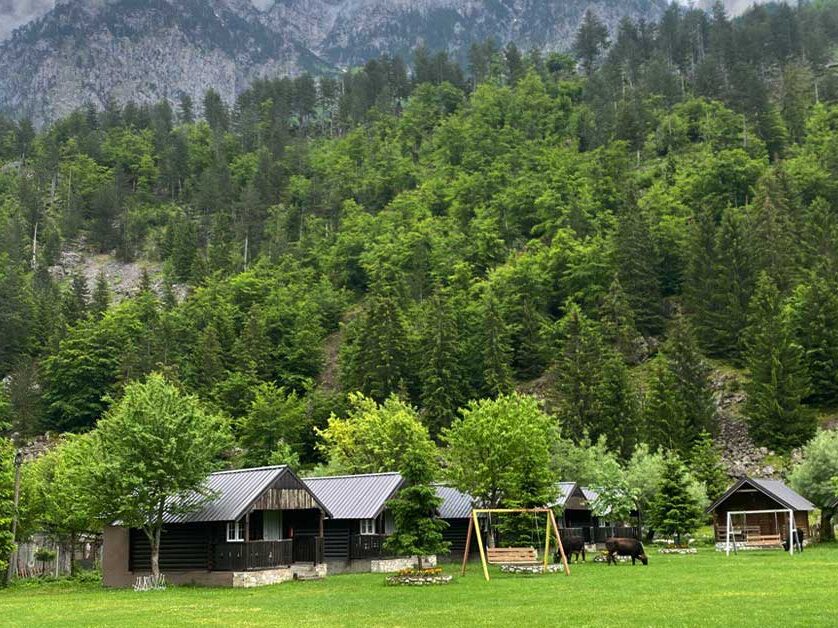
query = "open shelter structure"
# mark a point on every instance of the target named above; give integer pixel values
(513, 555)
(760, 513)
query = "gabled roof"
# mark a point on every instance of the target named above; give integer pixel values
(774, 489)
(355, 496)
(568, 490)
(233, 493)
(590, 494)
(455, 504)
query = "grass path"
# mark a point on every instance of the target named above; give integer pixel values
(752, 589)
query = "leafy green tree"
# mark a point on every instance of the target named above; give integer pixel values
(155, 449)
(680, 403)
(500, 451)
(278, 419)
(7, 508)
(375, 438)
(58, 488)
(779, 381)
(815, 478)
(415, 511)
(675, 510)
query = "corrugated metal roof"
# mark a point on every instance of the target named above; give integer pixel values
(775, 489)
(784, 494)
(589, 493)
(565, 491)
(455, 504)
(233, 492)
(355, 496)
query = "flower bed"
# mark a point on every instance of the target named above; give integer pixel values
(530, 569)
(603, 558)
(419, 577)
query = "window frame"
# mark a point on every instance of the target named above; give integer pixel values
(237, 528)
(367, 527)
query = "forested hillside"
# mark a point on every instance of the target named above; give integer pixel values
(600, 231)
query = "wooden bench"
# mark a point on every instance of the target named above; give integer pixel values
(764, 540)
(512, 556)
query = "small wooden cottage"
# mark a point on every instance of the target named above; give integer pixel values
(360, 521)
(262, 526)
(761, 511)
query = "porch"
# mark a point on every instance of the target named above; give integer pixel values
(597, 535)
(256, 555)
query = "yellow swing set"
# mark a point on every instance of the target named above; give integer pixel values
(512, 555)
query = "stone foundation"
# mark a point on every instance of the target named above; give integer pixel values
(264, 577)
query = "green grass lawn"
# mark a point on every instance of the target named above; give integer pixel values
(751, 589)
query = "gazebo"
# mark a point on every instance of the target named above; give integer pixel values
(760, 513)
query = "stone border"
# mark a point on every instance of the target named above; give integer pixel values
(683, 551)
(419, 581)
(530, 570)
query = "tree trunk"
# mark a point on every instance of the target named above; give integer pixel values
(827, 531)
(419, 561)
(155, 554)
(72, 553)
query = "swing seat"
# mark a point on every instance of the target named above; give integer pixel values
(512, 556)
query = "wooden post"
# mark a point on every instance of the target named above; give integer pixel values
(480, 545)
(559, 542)
(791, 532)
(468, 544)
(546, 542)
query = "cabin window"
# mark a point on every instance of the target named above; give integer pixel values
(367, 526)
(235, 531)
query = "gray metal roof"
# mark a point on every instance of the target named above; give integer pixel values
(590, 494)
(775, 489)
(565, 491)
(455, 504)
(355, 496)
(233, 493)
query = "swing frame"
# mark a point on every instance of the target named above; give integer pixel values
(474, 527)
(730, 538)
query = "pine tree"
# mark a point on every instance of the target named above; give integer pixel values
(700, 281)
(779, 381)
(253, 348)
(706, 466)
(820, 237)
(441, 373)
(618, 325)
(591, 40)
(578, 372)
(620, 418)
(814, 314)
(75, 300)
(680, 405)
(415, 511)
(496, 347)
(637, 264)
(208, 358)
(772, 231)
(101, 296)
(675, 511)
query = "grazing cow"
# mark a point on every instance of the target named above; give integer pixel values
(625, 547)
(798, 542)
(572, 545)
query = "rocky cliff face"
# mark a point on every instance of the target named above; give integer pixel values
(145, 50)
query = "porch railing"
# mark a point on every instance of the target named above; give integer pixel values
(368, 546)
(593, 534)
(252, 555)
(308, 549)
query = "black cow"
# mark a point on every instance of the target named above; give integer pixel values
(572, 545)
(625, 547)
(798, 541)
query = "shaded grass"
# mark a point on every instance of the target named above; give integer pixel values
(751, 589)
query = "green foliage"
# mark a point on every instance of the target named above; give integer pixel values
(500, 451)
(374, 437)
(276, 426)
(779, 381)
(418, 527)
(675, 510)
(680, 405)
(705, 464)
(815, 477)
(154, 449)
(7, 510)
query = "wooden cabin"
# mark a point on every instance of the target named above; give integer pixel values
(763, 508)
(578, 519)
(261, 526)
(360, 522)
(455, 510)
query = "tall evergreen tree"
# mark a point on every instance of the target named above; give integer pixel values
(705, 464)
(636, 260)
(619, 328)
(814, 313)
(591, 40)
(496, 348)
(772, 231)
(680, 405)
(779, 381)
(675, 511)
(101, 296)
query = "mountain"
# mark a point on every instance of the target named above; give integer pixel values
(145, 50)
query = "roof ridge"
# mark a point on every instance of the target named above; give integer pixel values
(349, 475)
(265, 468)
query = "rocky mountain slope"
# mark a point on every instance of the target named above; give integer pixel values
(87, 50)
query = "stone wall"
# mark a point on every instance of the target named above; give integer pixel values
(391, 565)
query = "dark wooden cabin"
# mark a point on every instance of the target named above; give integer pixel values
(257, 519)
(578, 518)
(455, 510)
(754, 497)
(360, 521)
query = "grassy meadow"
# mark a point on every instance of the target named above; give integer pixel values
(766, 588)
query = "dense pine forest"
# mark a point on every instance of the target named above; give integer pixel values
(607, 228)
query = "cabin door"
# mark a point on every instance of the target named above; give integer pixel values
(272, 525)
